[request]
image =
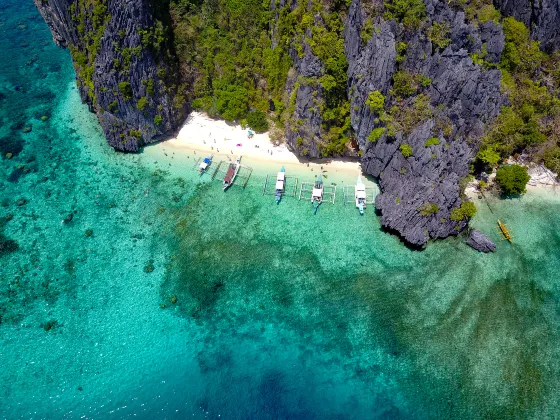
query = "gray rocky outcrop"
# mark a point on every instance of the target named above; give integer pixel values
(480, 242)
(541, 17)
(462, 95)
(147, 104)
(303, 133)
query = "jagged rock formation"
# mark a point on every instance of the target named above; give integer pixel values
(462, 96)
(304, 128)
(480, 242)
(541, 17)
(124, 65)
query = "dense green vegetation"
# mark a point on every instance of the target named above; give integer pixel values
(376, 102)
(226, 51)
(236, 54)
(512, 179)
(531, 81)
(93, 12)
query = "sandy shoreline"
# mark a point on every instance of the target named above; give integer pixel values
(227, 141)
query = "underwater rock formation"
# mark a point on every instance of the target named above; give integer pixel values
(125, 66)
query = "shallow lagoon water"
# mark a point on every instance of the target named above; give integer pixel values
(278, 313)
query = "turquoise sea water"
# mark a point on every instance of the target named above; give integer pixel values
(278, 313)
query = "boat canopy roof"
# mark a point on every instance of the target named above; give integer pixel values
(360, 194)
(279, 185)
(317, 192)
(206, 160)
(281, 176)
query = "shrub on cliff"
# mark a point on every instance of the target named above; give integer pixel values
(466, 210)
(432, 141)
(428, 209)
(409, 12)
(142, 103)
(375, 101)
(126, 90)
(404, 83)
(406, 150)
(376, 134)
(488, 155)
(512, 179)
(439, 33)
(520, 52)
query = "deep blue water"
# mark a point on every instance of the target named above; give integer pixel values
(252, 310)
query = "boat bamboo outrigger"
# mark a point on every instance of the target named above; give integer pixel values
(206, 162)
(317, 194)
(280, 181)
(231, 173)
(505, 232)
(360, 195)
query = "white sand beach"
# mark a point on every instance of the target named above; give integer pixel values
(202, 133)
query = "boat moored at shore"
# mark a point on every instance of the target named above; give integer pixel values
(205, 164)
(280, 182)
(360, 195)
(231, 173)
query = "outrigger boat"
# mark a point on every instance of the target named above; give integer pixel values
(206, 162)
(360, 195)
(231, 173)
(280, 181)
(317, 194)
(505, 232)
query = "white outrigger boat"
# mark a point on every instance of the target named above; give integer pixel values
(317, 194)
(206, 162)
(280, 182)
(231, 173)
(360, 195)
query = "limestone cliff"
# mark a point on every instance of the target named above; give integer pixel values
(125, 66)
(419, 191)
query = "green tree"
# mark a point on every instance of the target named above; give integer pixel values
(257, 121)
(404, 83)
(428, 209)
(512, 179)
(489, 155)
